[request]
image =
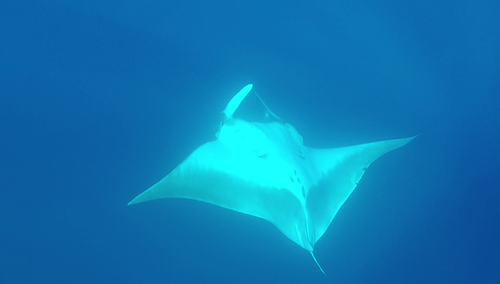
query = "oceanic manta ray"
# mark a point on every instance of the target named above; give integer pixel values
(264, 170)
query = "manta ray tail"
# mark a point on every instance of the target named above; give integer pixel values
(317, 263)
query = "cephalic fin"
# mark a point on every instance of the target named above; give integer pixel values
(269, 112)
(234, 103)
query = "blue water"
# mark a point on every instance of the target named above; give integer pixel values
(99, 100)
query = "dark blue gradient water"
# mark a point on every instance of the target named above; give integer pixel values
(99, 100)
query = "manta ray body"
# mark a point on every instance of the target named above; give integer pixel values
(265, 170)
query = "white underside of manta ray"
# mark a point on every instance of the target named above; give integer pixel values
(264, 170)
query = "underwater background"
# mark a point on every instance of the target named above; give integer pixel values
(101, 99)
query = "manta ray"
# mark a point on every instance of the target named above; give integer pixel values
(263, 169)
